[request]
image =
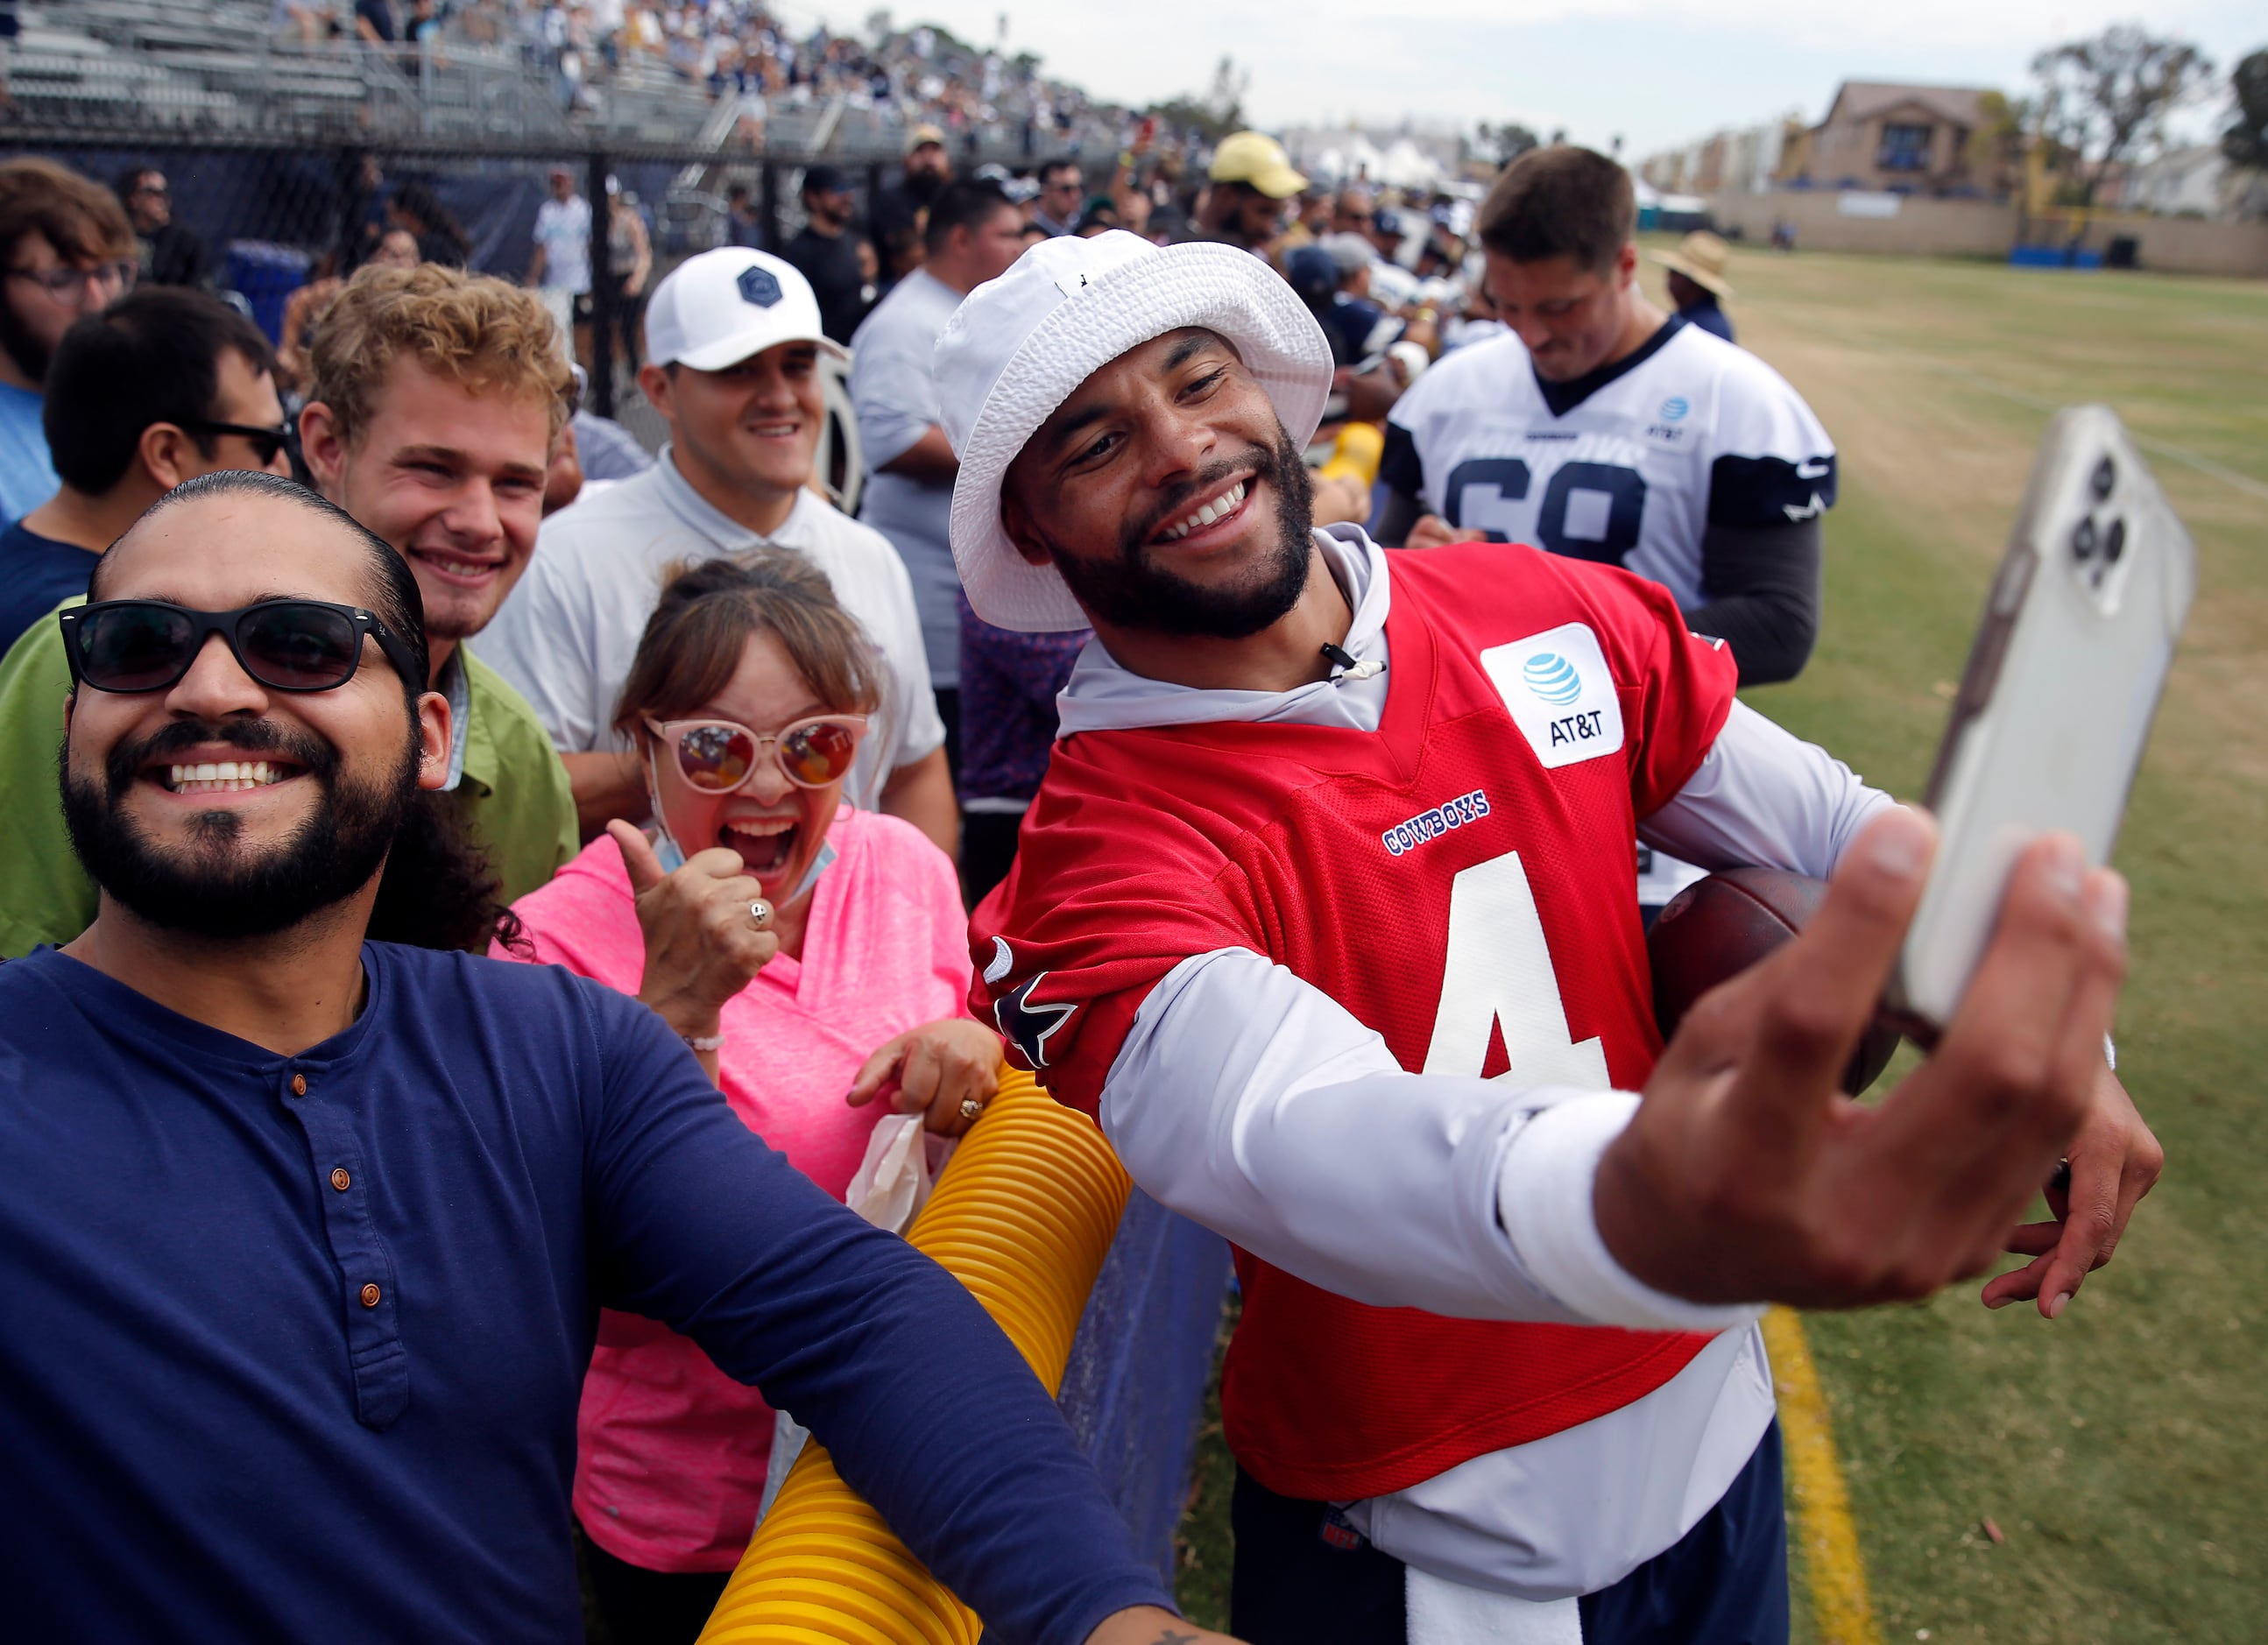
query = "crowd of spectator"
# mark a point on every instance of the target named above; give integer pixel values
(739, 49)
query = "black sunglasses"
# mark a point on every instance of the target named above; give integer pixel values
(134, 645)
(265, 442)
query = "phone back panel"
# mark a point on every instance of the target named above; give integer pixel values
(2056, 703)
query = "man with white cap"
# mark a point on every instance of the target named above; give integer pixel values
(732, 345)
(1325, 910)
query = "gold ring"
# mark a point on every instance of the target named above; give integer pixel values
(760, 911)
(970, 1107)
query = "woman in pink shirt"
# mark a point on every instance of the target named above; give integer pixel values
(812, 956)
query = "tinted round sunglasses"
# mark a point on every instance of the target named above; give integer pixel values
(720, 756)
(132, 646)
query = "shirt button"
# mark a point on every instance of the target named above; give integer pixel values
(370, 1296)
(340, 1179)
(299, 1085)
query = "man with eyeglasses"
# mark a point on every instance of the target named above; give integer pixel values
(437, 401)
(171, 252)
(305, 1230)
(203, 397)
(66, 249)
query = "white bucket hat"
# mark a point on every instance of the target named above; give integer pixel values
(1019, 346)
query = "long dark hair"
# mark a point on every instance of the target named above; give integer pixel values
(438, 889)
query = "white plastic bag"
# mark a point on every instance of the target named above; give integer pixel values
(893, 1181)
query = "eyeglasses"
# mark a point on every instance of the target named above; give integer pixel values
(136, 645)
(63, 284)
(265, 441)
(720, 756)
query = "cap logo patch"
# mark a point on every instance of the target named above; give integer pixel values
(760, 286)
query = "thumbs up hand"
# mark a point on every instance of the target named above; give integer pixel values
(703, 945)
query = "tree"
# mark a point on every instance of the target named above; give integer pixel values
(1994, 152)
(1507, 142)
(2105, 99)
(1220, 112)
(2245, 143)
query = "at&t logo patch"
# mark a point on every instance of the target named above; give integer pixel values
(1559, 692)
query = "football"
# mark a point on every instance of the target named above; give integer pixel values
(1717, 928)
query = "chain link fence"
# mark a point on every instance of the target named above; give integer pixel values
(277, 221)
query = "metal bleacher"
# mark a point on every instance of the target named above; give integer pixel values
(222, 72)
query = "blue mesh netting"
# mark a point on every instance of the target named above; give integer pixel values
(1138, 1370)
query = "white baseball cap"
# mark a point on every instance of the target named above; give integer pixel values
(1019, 346)
(719, 308)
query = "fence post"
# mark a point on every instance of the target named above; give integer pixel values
(771, 208)
(602, 295)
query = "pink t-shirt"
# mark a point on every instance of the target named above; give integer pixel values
(670, 1457)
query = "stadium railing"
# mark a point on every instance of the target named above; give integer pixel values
(269, 211)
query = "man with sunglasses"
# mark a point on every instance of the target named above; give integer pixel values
(66, 249)
(203, 397)
(436, 400)
(305, 1236)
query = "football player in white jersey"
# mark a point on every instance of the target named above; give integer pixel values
(1604, 428)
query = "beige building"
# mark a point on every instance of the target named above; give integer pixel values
(1909, 139)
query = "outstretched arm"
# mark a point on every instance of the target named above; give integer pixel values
(1253, 1103)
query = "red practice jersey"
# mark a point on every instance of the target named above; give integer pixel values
(1460, 881)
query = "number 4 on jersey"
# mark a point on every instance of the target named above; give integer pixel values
(1498, 972)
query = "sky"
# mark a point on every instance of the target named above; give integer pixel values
(1657, 76)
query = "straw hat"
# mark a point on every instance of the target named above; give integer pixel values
(1701, 257)
(1020, 346)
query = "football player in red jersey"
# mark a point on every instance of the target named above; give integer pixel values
(1325, 910)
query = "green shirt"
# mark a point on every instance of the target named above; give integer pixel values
(513, 793)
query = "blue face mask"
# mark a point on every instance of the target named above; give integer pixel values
(667, 852)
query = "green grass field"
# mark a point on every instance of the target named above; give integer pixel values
(2121, 1449)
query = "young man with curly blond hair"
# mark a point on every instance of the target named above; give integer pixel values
(437, 399)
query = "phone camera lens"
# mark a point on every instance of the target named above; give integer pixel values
(2082, 540)
(2114, 542)
(2106, 475)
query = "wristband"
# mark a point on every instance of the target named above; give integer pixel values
(704, 1042)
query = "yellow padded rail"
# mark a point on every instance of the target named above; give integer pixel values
(1023, 1218)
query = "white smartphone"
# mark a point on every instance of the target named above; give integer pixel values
(2048, 726)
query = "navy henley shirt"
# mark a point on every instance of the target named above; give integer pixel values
(291, 1347)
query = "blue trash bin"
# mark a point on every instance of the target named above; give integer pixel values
(265, 274)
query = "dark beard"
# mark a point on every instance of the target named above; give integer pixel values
(206, 890)
(1130, 590)
(31, 357)
(924, 187)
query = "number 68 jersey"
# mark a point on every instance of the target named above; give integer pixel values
(1459, 880)
(1629, 466)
